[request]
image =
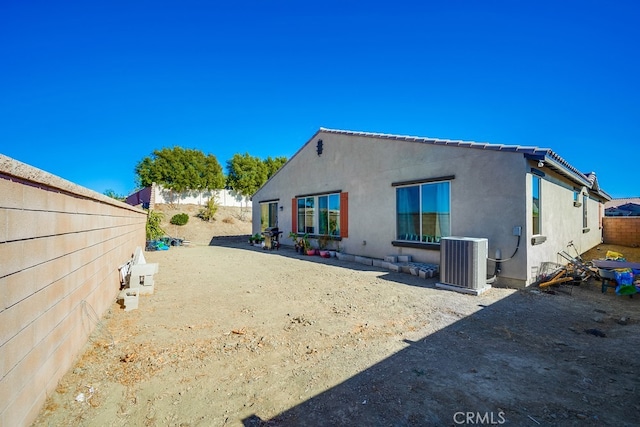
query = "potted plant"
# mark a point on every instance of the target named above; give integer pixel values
(323, 242)
(306, 245)
(296, 240)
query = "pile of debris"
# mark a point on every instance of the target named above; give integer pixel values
(612, 272)
(575, 272)
(164, 243)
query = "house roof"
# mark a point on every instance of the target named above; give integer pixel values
(623, 201)
(550, 158)
(627, 209)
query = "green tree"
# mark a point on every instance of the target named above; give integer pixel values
(111, 193)
(274, 164)
(245, 173)
(179, 169)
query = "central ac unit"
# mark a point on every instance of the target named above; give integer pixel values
(463, 264)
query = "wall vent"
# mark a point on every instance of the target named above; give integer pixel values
(463, 264)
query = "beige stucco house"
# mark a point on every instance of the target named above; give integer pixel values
(377, 195)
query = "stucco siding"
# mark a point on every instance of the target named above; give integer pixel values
(490, 196)
(562, 222)
(487, 193)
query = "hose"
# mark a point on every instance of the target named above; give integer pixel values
(498, 261)
(511, 257)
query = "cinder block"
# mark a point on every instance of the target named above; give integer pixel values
(4, 224)
(11, 256)
(141, 277)
(391, 258)
(404, 258)
(71, 204)
(37, 251)
(394, 267)
(35, 198)
(380, 263)
(16, 287)
(17, 317)
(12, 194)
(55, 201)
(27, 404)
(20, 224)
(364, 260)
(131, 298)
(345, 257)
(16, 349)
(22, 373)
(60, 334)
(44, 324)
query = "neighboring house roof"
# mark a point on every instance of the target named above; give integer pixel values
(627, 209)
(623, 201)
(632, 207)
(545, 155)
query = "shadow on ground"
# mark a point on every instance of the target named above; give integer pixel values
(530, 359)
(233, 241)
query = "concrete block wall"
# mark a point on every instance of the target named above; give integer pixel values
(60, 249)
(621, 230)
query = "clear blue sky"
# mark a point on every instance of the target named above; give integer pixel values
(89, 88)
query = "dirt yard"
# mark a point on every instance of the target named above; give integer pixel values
(235, 335)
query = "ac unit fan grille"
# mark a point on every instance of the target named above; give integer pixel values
(463, 262)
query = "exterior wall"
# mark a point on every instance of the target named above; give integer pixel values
(157, 194)
(561, 222)
(60, 249)
(490, 195)
(140, 198)
(622, 230)
(487, 193)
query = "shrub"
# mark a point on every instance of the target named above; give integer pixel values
(153, 229)
(209, 211)
(179, 219)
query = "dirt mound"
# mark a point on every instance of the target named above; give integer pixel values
(228, 221)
